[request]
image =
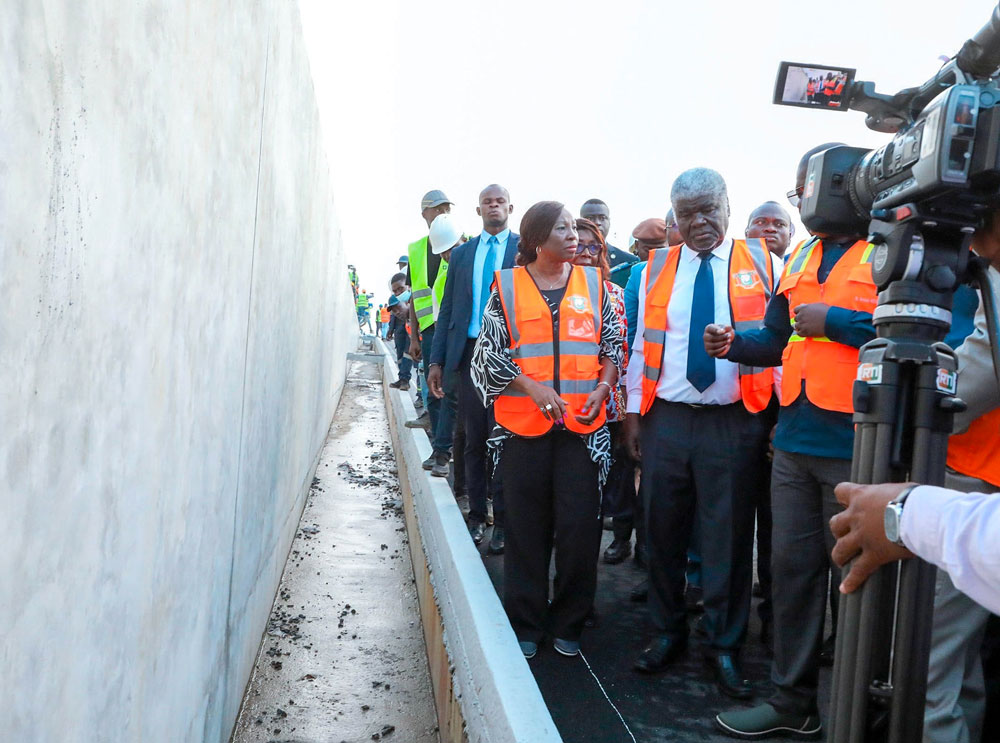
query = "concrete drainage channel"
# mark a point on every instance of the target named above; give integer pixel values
(483, 688)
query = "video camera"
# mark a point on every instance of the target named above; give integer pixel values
(922, 195)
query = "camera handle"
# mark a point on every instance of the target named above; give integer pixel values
(904, 401)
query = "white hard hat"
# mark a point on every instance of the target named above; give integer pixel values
(444, 234)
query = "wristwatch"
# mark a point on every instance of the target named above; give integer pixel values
(894, 517)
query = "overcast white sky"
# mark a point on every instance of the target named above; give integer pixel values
(573, 100)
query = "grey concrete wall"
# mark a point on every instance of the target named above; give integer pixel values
(174, 319)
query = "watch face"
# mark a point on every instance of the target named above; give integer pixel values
(892, 523)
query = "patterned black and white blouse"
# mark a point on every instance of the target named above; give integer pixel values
(493, 369)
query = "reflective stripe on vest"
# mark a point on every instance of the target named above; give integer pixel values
(534, 349)
(828, 368)
(976, 452)
(426, 299)
(751, 282)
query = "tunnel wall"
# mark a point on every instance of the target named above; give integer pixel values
(173, 340)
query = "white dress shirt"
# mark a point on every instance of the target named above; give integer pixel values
(673, 385)
(960, 533)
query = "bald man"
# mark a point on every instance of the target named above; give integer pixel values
(771, 223)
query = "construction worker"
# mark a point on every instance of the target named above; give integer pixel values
(427, 272)
(817, 319)
(694, 417)
(383, 320)
(362, 304)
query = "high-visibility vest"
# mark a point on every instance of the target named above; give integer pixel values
(811, 87)
(828, 368)
(426, 299)
(383, 316)
(751, 281)
(828, 87)
(539, 354)
(976, 452)
(362, 301)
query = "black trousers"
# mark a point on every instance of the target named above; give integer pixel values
(478, 421)
(802, 504)
(553, 501)
(701, 463)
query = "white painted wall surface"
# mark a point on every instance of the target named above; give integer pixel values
(174, 319)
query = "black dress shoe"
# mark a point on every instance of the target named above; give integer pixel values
(617, 551)
(496, 541)
(477, 530)
(640, 594)
(728, 677)
(659, 654)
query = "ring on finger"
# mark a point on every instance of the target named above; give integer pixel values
(548, 406)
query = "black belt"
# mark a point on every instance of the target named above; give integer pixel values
(699, 405)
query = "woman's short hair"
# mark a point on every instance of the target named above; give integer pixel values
(602, 257)
(536, 226)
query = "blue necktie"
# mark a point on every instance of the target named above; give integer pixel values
(701, 367)
(487, 277)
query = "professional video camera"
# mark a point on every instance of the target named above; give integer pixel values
(925, 191)
(919, 199)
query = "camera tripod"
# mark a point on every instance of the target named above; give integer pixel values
(904, 400)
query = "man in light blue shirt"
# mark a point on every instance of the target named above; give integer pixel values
(470, 277)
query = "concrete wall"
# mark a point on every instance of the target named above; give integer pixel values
(174, 319)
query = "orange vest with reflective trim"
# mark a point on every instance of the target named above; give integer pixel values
(828, 368)
(751, 279)
(540, 354)
(976, 452)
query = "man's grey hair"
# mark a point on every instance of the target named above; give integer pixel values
(697, 183)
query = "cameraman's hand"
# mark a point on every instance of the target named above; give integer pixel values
(810, 320)
(434, 376)
(860, 531)
(630, 431)
(718, 339)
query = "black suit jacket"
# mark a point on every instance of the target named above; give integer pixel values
(452, 325)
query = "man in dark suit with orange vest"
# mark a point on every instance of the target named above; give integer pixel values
(692, 421)
(817, 319)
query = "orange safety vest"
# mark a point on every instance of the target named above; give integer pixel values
(539, 354)
(976, 452)
(811, 87)
(828, 87)
(827, 367)
(750, 286)
(384, 315)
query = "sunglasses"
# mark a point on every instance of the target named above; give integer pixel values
(795, 196)
(592, 248)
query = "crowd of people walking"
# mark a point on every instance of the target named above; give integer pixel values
(694, 390)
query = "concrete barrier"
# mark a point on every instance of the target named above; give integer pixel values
(483, 688)
(176, 318)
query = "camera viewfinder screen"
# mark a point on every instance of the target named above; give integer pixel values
(813, 86)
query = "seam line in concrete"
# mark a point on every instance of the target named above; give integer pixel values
(246, 358)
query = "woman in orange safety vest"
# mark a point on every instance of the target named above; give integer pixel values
(547, 357)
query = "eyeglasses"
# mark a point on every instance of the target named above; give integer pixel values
(592, 248)
(795, 196)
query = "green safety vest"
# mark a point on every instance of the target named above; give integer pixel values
(363, 302)
(426, 300)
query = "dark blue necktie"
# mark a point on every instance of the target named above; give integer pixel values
(487, 277)
(701, 366)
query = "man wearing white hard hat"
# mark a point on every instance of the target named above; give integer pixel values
(444, 235)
